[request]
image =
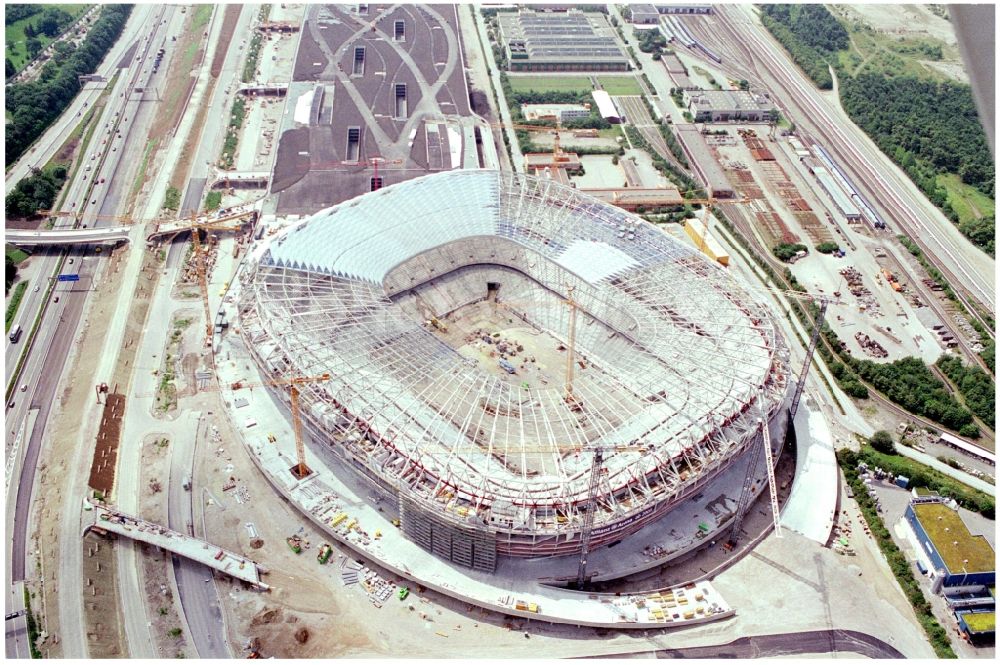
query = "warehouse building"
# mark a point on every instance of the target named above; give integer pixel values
(606, 106)
(959, 561)
(560, 42)
(564, 112)
(840, 198)
(728, 106)
(644, 14)
(704, 164)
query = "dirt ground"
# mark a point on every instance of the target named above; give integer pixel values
(57, 463)
(903, 20)
(105, 633)
(102, 468)
(229, 19)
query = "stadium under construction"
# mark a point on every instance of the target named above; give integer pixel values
(523, 370)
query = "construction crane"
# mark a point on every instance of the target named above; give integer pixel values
(195, 224)
(558, 156)
(569, 397)
(300, 470)
(744, 501)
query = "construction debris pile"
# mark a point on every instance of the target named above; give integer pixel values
(870, 346)
(855, 282)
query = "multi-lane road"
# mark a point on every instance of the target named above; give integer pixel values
(125, 116)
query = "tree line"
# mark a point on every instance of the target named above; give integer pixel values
(34, 105)
(35, 192)
(976, 386)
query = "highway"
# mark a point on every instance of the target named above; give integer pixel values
(46, 354)
(47, 145)
(880, 180)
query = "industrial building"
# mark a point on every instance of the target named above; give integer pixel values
(637, 199)
(563, 112)
(728, 106)
(606, 106)
(704, 164)
(958, 559)
(402, 300)
(560, 42)
(644, 14)
(677, 72)
(840, 198)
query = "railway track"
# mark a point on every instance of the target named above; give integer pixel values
(839, 142)
(739, 221)
(731, 42)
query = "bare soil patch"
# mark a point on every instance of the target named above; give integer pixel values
(102, 468)
(105, 634)
(229, 19)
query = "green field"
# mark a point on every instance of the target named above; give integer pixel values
(878, 52)
(549, 83)
(17, 52)
(16, 254)
(967, 201)
(620, 85)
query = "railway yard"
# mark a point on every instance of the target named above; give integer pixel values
(366, 365)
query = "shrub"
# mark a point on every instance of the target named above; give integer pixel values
(882, 442)
(827, 247)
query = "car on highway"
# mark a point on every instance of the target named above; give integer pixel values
(24, 387)
(55, 300)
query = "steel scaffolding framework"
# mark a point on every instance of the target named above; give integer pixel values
(677, 352)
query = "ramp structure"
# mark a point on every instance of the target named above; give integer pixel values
(105, 519)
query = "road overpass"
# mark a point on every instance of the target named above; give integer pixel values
(241, 180)
(104, 519)
(107, 236)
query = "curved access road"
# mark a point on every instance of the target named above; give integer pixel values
(781, 644)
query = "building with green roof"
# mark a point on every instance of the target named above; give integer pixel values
(962, 558)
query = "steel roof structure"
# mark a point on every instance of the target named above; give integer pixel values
(683, 362)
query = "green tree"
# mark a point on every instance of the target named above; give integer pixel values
(8, 67)
(882, 442)
(33, 47)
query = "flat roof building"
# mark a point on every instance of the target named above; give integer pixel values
(560, 42)
(644, 14)
(633, 198)
(728, 106)
(677, 72)
(606, 106)
(840, 198)
(563, 112)
(704, 164)
(958, 558)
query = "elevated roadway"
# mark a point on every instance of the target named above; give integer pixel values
(105, 519)
(109, 236)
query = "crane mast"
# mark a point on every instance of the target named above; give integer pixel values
(199, 264)
(571, 347)
(588, 518)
